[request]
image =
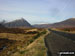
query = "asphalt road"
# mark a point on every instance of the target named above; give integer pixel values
(59, 42)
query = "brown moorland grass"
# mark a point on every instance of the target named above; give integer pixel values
(15, 39)
(67, 29)
(36, 48)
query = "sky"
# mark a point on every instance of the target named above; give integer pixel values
(37, 11)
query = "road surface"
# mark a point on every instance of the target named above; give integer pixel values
(59, 42)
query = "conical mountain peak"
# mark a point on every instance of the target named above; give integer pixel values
(18, 23)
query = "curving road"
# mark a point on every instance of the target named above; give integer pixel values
(59, 42)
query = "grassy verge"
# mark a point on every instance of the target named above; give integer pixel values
(36, 48)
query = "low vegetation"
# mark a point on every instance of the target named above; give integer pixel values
(36, 48)
(69, 30)
(17, 39)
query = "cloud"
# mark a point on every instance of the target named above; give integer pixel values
(54, 12)
(39, 19)
(37, 11)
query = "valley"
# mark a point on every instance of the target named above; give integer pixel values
(20, 38)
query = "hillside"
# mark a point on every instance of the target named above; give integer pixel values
(66, 23)
(18, 23)
(1, 26)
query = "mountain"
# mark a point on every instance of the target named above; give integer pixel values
(64, 24)
(17, 23)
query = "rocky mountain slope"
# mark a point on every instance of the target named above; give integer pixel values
(18, 23)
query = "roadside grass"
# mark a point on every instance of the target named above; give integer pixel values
(35, 48)
(19, 46)
(67, 30)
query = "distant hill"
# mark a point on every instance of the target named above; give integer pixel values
(1, 26)
(41, 25)
(66, 23)
(18, 23)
